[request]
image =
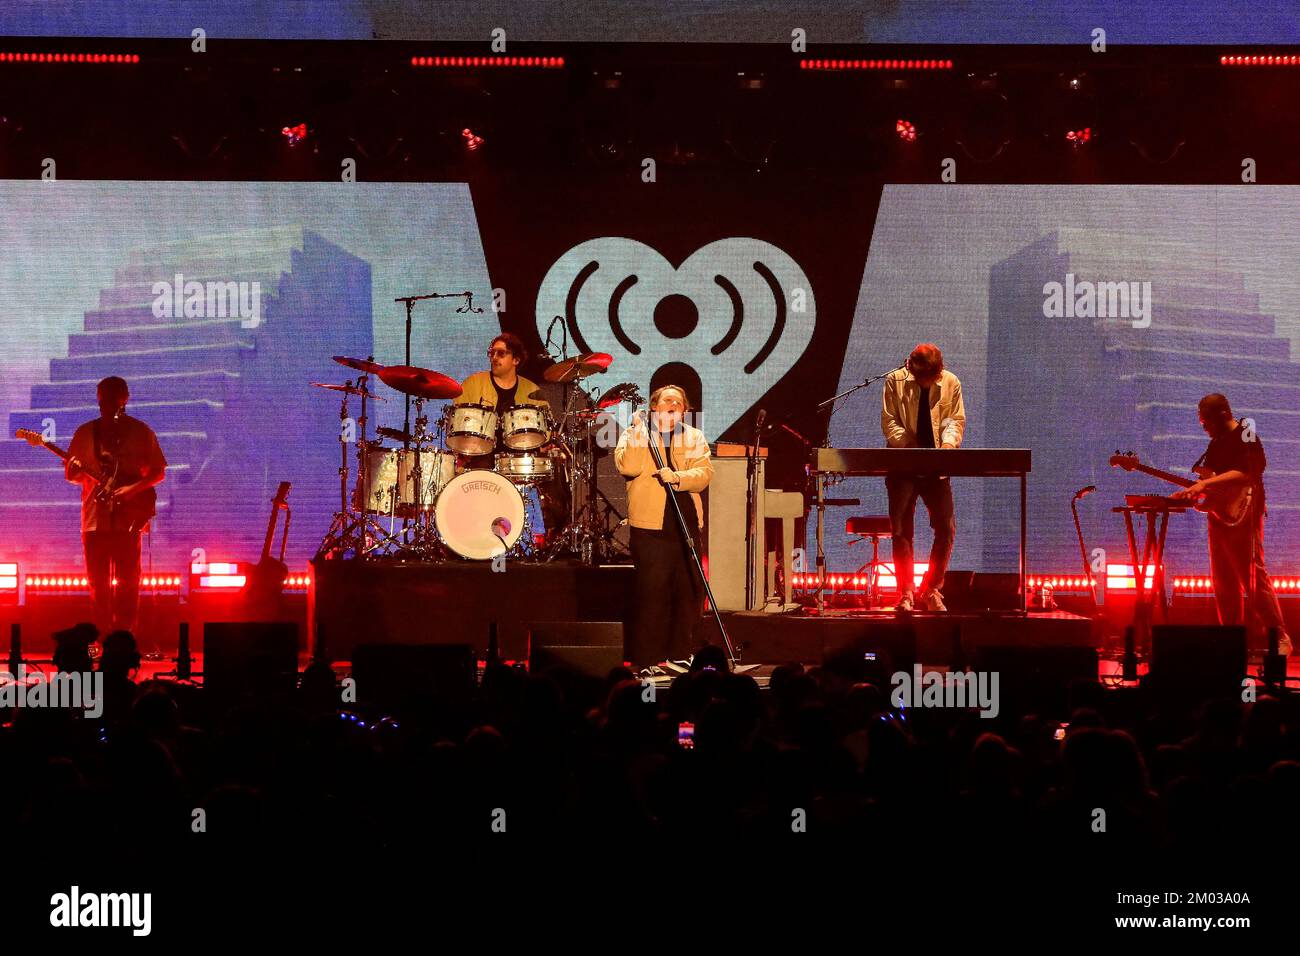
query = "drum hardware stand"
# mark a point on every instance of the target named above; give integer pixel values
(732, 655)
(349, 532)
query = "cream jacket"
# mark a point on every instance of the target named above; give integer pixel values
(479, 389)
(645, 492)
(899, 408)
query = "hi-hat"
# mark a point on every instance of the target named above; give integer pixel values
(578, 367)
(361, 365)
(419, 382)
(350, 389)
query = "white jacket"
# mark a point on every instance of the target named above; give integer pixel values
(899, 407)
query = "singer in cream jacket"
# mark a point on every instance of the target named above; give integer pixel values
(689, 460)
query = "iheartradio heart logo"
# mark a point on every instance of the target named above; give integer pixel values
(740, 312)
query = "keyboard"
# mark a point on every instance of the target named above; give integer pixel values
(956, 462)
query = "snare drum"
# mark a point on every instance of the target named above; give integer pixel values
(472, 429)
(524, 427)
(392, 488)
(525, 468)
(480, 515)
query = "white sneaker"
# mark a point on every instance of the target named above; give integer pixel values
(933, 601)
(904, 603)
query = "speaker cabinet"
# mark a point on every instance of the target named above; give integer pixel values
(593, 648)
(1037, 679)
(405, 675)
(1193, 663)
(256, 657)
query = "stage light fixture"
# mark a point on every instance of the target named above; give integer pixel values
(493, 62)
(1079, 137)
(905, 130)
(294, 135)
(1267, 59)
(117, 59)
(472, 141)
(893, 64)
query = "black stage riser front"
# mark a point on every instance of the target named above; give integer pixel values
(456, 602)
(937, 638)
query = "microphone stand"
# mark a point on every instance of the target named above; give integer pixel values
(821, 483)
(410, 301)
(751, 511)
(690, 544)
(1083, 551)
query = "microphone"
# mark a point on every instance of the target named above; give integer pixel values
(1084, 492)
(758, 424)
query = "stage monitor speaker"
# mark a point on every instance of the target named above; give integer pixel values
(1193, 663)
(593, 648)
(978, 591)
(402, 675)
(1037, 679)
(874, 655)
(255, 657)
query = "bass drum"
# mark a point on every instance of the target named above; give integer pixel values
(479, 515)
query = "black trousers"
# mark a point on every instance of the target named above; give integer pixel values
(667, 596)
(109, 555)
(903, 490)
(1242, 589)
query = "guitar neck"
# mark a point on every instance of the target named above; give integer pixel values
(1168, 476)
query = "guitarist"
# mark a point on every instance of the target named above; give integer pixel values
(124, 450)
(1235, 456)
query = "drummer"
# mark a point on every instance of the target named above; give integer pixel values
(501, 387)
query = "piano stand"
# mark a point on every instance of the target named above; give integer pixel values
(950, 462)
(1146, 603)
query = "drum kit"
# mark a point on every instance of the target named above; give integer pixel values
(456, 488)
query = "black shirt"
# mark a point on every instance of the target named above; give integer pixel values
(684, 499)
(1231, 451)
(505, 402)
(924, 427)
(124, 442)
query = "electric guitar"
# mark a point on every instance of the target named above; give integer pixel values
(1229, 505)
(135, 511)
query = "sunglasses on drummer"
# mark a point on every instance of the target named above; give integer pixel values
(492, 353)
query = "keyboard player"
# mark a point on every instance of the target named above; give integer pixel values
(922, 408)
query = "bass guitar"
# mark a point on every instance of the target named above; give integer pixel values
(1229, 505)
(134, 511)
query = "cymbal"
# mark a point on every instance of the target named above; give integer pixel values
(350, 389)
(578, 367)
(361, 365)
(626, 392)
(420, 382)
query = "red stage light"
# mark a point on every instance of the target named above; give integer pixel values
(1266, 60)
(1079, 137)
(527, 62)
(905, 130)
(875, 64)
(294, 134)
(123, 58)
